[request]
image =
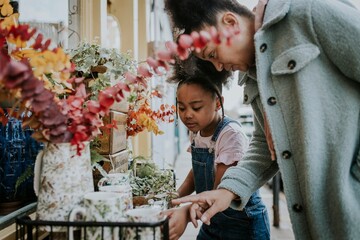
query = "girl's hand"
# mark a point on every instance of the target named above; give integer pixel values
(178, 220)
(211, 201)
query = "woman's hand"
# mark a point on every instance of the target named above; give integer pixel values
(178, 220)
(207, 204)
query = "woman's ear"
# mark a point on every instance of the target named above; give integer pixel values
(229, 19)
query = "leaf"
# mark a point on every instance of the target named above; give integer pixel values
(95, 156)
(6, 10)
(23, 177)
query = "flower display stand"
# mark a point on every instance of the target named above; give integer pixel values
(30, 229)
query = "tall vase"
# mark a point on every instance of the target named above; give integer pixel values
(62, 179)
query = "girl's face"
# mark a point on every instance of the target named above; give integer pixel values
(198, 109)
(240, 54)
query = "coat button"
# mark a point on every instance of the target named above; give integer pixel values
(263, 47)
(246, 98)
(291, 64)
(271, 101)
(286, 154)
(297, 207)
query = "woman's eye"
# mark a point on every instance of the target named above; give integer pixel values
(181, 109)
(197, 108)
(211, 55)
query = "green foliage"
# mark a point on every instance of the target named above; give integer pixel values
(149, 180)
(95, 156)
(87, 57)
(145, 170)
(29, 172)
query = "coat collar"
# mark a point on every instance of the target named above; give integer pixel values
(275, 11)
(243, 76)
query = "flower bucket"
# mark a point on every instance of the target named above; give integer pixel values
(61, 180)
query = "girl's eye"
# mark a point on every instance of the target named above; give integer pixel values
(197, 109)
(181, 109)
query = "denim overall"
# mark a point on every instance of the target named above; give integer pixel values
(250, 223)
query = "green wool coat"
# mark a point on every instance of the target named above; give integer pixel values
(308, 84)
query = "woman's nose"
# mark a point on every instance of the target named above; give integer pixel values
(219, 66)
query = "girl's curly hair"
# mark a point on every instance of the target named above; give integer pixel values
(194, 67)
(196, 71)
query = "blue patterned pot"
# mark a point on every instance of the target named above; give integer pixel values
(18, 151)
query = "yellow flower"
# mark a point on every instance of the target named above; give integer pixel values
(149, 123)
(17, 41)
(28, 53)
(6, 9)
(2, 2)
(10, 21)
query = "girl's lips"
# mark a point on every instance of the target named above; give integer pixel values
(190, 125)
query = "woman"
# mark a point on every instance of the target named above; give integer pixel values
(301, 72)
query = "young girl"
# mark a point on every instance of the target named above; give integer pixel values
(302, 70)
(217, 142)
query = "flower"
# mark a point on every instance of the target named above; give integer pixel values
(141, 116)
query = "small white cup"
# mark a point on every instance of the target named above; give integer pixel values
(114, 179)
(145, 214)
(99, 207)
(123, 191)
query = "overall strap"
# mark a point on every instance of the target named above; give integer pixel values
(225, 121)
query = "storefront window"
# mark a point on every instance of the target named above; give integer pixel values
(113, 39)
(49, 17)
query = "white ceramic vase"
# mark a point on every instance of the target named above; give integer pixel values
(61, 180)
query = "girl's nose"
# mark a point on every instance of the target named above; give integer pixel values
(188, 115)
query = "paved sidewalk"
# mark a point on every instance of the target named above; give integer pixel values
(284, 232)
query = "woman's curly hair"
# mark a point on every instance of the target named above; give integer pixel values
(190, 15)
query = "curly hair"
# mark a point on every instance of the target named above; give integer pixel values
(196, 71)
(190, 15)
(194, 67)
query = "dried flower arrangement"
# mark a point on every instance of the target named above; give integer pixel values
(76, 118)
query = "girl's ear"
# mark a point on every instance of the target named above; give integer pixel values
(218, 104)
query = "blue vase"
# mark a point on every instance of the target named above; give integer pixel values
(18, 151)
